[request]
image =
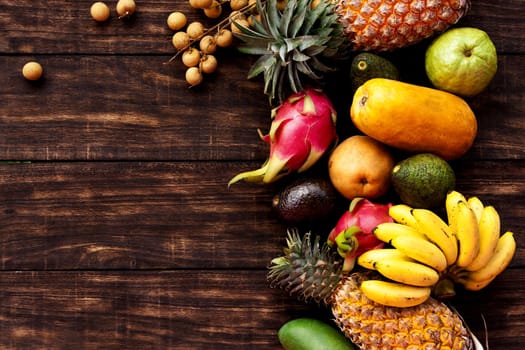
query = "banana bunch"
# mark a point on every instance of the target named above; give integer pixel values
(428, 255)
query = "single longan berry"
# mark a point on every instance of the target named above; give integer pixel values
(99, 11)
(180, 40)
(32, 70)
(176, 20)
(200, 4)
(191, 57)
(224, 38)
(208, 64)
(195, 30)
(207, 44)
(214, 11)
(238, 4)
(193, 76)
(125, 8)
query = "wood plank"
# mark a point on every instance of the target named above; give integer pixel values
(65, 27)
(136, 107)
(193, 310)
(144, 215)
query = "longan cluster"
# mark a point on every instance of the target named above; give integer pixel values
(197, 44)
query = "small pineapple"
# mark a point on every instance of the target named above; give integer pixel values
(306, 40)
(314, 273)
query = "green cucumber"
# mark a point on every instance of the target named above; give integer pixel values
(312, 334)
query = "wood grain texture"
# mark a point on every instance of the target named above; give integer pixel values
(120, 231)
(145, 215)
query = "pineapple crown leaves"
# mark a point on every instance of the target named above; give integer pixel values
(308, 270)
(297, 46)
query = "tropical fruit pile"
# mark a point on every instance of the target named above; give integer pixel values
(386, 264)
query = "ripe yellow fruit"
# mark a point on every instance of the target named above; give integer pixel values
(238, 4)
(191, 57)
(214, 11)
(360, 167)
(125, 8)
(193, 76)
(200, 4)
(180, 40)
(32, 71)
(414, 118)
(99, 11)
(176, 20)
(208, 44)
(224, 38)
(208, 64)
(195, 30)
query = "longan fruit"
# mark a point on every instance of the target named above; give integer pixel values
(224, 38)
(195, 30)
(32, 70)
(125, 8)
(214, 11)
(99, 11)
(238, 4)
(200, 4)
(180, 40)
(191, 57)
(193, 76)
(208, 64)
(176, 20)
(207, 44)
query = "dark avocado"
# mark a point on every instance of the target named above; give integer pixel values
(304, 200)
(366, 66)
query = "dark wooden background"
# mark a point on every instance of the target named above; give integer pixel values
(117, 229)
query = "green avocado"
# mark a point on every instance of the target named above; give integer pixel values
(423, 180)
(366, 66)
(305, 199)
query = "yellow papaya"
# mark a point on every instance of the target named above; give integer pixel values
(414, 118)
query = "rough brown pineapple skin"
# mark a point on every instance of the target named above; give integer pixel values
(371, 326)
(381, 25)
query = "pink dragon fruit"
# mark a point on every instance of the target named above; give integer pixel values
(302, 129)
(352, 235)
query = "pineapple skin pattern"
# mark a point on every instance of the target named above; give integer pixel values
(372, 326)
(381, 25)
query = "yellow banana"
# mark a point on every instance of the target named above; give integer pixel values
(388, 230)
(502, 257)
(408, 272)
(451, 203)
(476, 205)
(467, 232)
(394, 294)
(438, 232)
(469, 284)
(402, 214)
(420, 249)
(489, 232)
(370, 257)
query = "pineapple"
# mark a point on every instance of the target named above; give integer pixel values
(306, 40)
(313, 273)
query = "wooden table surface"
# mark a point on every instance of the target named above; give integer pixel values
(117, 228)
